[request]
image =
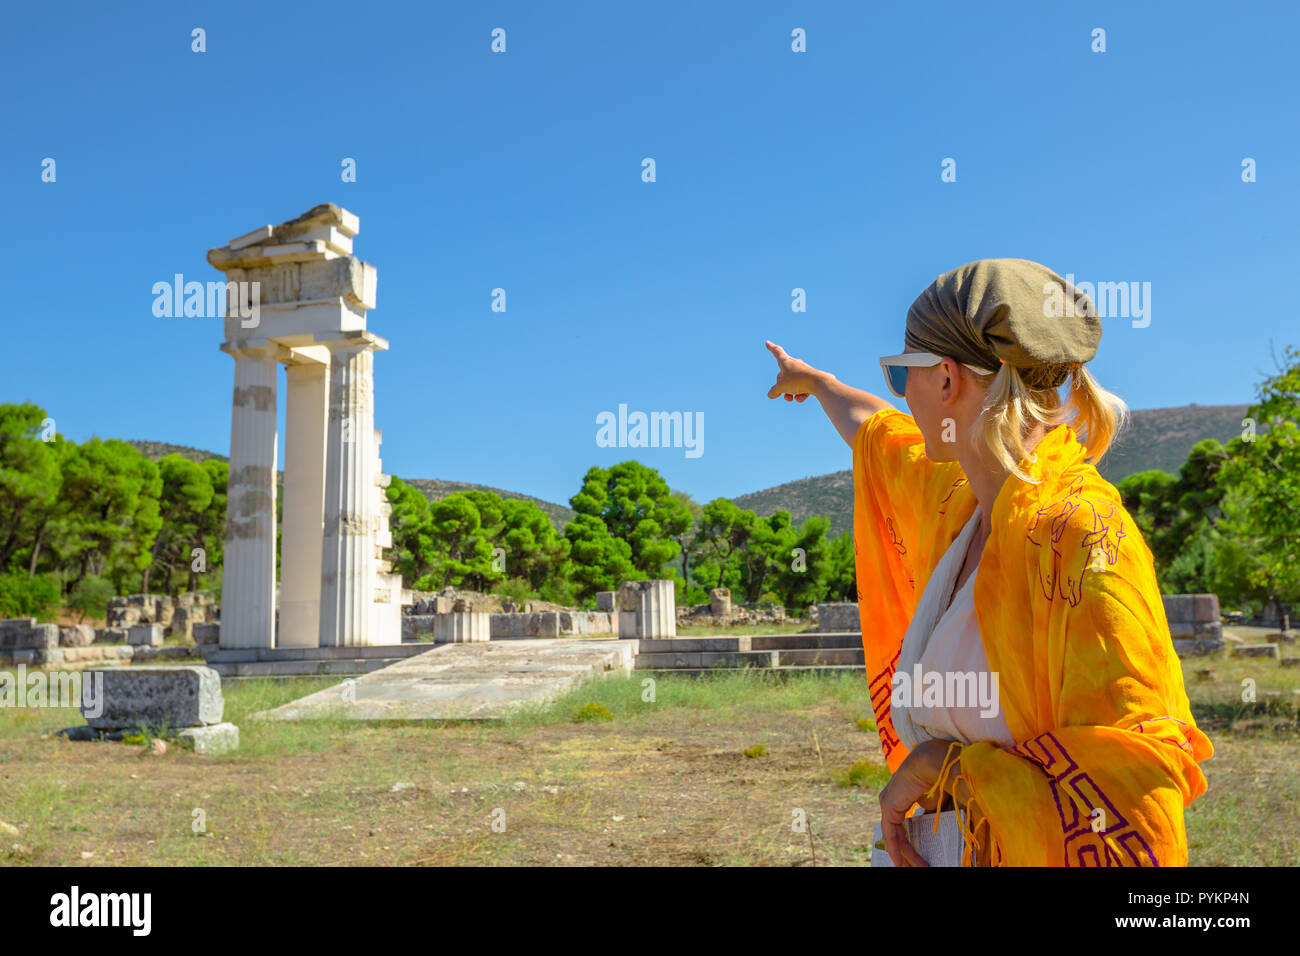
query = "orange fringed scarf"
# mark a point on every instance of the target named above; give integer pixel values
(1071, 620)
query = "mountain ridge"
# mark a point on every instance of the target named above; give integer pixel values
(1156, 438)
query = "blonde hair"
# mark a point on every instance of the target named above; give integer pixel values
(1012, 409)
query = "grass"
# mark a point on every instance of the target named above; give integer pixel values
(677, 771)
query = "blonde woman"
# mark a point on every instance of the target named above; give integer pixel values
(992, 555)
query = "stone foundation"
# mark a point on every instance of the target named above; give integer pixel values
(1194, 624)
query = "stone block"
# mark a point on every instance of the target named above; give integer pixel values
(1185, 609)
(548, 624)
(111, 635)
(123, 616)
(183, 619)
(838, 617)
(720, 602)
(212, 740)
(1205, 608)
(147, 635)
(415, 626)
(24, 634)
(1256, 650)
(76, 635)
(607, 600)
(507, 625)
(1198, 645)
(1290, 662)
(462, 627)
(153, 696)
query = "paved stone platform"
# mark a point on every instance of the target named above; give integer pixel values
(480, 681)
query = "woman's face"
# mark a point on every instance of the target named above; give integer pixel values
(932, 401)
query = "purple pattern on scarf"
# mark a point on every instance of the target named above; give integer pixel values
(1065, 576)
(1083, 847)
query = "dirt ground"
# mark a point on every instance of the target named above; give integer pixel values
(671, 787)
(664, 784)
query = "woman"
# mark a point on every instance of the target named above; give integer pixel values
(991, 555)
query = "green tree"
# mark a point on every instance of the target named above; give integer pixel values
(211, 530)
(1177, 516)
(637, 506)
(722, 535)
(598, 561)
(800, 563)
(461, 553)
(184, 500)
(534, 551)
(841, 578)
(411, 525)
(30, 479)
(1259, 534)
(111, 494)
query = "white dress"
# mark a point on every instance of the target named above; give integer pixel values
(964, 703)
(943, 687)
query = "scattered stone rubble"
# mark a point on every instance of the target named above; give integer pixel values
(721, 612)
(480, 617)
(174, 616)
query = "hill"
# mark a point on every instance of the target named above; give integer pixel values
(435, 490)
(1156, 438)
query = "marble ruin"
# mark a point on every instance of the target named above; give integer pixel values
(336, 589)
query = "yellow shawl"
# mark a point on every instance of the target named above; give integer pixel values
(1071, 620)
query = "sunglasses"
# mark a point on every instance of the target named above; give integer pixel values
(895, 368)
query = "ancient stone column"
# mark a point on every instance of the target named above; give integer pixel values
(647, 609)
(302, 530)
(248, 566)
(348, 549)
(299, 293)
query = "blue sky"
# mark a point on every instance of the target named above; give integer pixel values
(775, 170)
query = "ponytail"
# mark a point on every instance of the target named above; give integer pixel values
(1012, 409)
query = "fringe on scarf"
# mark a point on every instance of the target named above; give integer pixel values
(972, 844)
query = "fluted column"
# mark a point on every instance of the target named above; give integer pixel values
(348, 547)
(248, 566)
(301, 537)
(647, 609)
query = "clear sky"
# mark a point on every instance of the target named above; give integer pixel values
(775, 170)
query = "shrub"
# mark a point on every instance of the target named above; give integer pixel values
(90, 596)
(758, 750)
(594, 711)
(515, 590)
(23, 596)
(864, 773)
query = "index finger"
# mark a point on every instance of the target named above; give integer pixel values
(776, 350)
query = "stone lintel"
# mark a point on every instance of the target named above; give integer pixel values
(303, 354)
(295, 281)
(323, 232)
(250, 238)
(251, 257)
(359, 338)
(249, 348)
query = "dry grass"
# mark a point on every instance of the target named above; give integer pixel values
(664, 782)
